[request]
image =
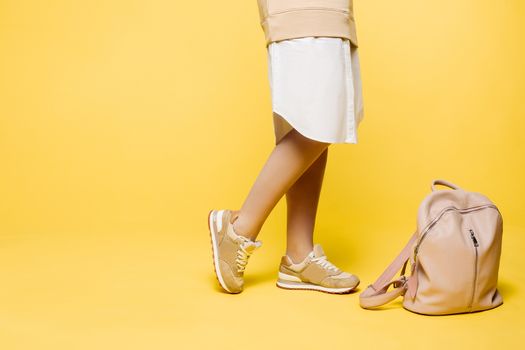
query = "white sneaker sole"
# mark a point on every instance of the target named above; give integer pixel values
(212, 219)
(291, 282)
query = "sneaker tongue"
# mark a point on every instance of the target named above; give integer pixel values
(318, 250)
(247, 243)
(250, 246)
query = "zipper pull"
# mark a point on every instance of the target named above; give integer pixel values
(473, 237)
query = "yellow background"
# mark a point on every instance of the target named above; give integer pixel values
(122, 123)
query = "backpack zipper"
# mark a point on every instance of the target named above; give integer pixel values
(443, 211)
(309, 8)
(476, 245)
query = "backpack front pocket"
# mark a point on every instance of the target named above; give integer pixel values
(446, 267)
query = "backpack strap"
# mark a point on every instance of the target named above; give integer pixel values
(377, 294)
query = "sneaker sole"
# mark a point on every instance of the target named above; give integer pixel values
(296, 285)
(214, 248)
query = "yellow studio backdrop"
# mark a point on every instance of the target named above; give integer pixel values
(122, 123)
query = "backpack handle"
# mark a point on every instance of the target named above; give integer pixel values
(444, 183)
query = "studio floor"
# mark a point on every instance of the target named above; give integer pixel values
(119, 132)
(158, 291)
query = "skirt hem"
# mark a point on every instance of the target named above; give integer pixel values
(282, 126)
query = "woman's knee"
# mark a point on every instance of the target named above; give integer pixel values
(318, 144)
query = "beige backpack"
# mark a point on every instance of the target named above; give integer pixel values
(454, 257)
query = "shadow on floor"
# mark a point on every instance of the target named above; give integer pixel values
(506, 289)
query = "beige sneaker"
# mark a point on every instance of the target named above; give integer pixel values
(230, 250)
(315, 273)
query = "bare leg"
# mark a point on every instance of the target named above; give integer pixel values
(302, 200)
(288, 161)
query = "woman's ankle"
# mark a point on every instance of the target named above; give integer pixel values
(240, 228)
(298, 253)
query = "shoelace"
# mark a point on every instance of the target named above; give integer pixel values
(243, 255)
(321, 260)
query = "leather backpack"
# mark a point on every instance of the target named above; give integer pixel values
(454, 257)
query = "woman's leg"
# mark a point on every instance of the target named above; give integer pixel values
(286, 164)
(302, 200)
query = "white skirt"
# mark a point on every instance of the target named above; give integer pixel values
(315, 85)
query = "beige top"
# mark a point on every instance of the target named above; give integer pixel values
(287, 19)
